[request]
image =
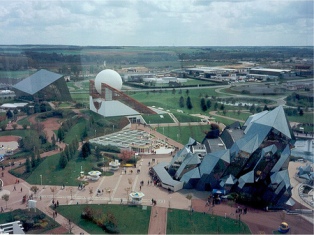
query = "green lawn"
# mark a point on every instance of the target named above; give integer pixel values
(234, 114)
(306, 118)
(158, 118)
(170, 101)
(53, 175)
(182, 134)
(75, 132)
(24, 121)
(130, 219)
(184, 222)
(21, 133)
(182, 117)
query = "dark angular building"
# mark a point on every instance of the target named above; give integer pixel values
(250, 160)
(43, 86)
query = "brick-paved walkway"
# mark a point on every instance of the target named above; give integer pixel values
(158, 220)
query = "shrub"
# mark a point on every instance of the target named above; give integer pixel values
(95, 168)
(28, 224)
(101, 164)
(111, 228)
(87, 213)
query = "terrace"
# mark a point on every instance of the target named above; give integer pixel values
(137, 140)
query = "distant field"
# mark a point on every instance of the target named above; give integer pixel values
(15, 74)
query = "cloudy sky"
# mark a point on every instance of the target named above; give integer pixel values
(157, 22)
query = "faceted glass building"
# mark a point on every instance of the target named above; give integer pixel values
(251, 160)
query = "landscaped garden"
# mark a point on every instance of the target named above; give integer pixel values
(33, 222)
(124, 219)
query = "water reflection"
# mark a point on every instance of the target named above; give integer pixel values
(304, 148)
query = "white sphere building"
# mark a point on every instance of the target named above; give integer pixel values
(107, 99)
(109, 77)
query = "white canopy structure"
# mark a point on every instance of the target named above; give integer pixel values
(114, 165)
(94, 175)
(137, 197)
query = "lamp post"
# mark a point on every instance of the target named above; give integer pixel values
(41, 180)
(112, 128)
(103, 159)
(71, 190)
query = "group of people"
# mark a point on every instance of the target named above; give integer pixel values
(81, 187)
(154, 202)
(55, 204)
(241, 211)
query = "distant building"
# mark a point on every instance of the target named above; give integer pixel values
(297, 86)
(251, 160)
(7, 95)
(43, 86)
(304, 70)
(280, 73)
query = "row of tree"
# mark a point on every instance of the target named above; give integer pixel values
(32, 161)
(70, 151)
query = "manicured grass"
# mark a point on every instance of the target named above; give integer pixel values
(158, 118)
(234, 114)
(182, 134)
(130, 219)
(184, 222)
(306, 118)
(168, 100)
(182, 117)
(53, 175)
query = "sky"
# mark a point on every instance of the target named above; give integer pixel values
(157, 22)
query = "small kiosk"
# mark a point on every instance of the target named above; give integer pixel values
(283, 228)
(137, 197)
(94, 175)
(114, 165)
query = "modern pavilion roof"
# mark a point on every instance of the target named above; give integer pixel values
(254, 117)
(251, 145)
(191, 159)
(210, 160)
(279, 177)
(180, 155)
(247, 178)
(163, 175)
(37, 81)
(192, 174)
(284, 157)
(271, 148)
(191, 141)
(275, 119)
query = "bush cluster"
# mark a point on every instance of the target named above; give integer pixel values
(107, 221)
